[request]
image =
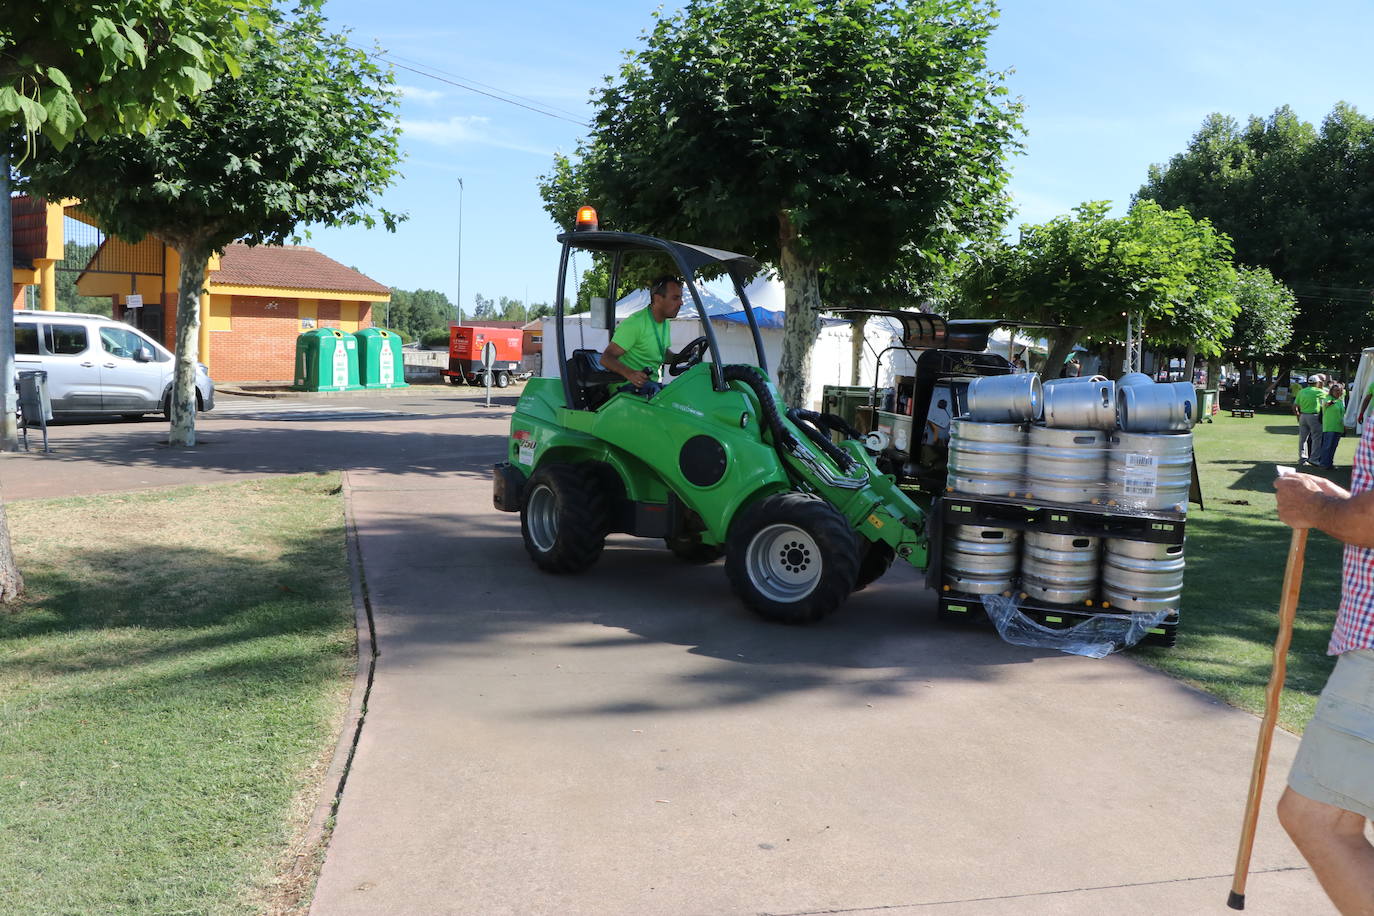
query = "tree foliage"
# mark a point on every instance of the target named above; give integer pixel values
(306, 134)
(416, 313)
(98, 67)
(1088, 271)
(1295, 199)
(1264, 325)
(849, 135)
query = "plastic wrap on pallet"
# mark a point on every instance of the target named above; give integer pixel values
(1096, 637)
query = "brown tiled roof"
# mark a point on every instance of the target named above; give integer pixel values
(290, 267)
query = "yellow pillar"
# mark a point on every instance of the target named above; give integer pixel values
(204, 343)
(47, 284)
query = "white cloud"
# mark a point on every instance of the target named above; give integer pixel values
(416, 94)
(461, 131)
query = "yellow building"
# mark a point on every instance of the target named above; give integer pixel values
(256, 300)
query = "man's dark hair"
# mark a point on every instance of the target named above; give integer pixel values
(660, 285)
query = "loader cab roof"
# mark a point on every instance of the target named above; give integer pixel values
(693, 256)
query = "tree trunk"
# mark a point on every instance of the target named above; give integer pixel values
(9, 401)
(1214, 372)
(856, 331)
(11, 582)
(1189, 361)
(802, 315)
(1116, 361)
(194, 258)
(1060, 348)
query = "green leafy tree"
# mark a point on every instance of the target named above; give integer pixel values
(1086, 272)
(1264, 326)
(306, 134)
(849, 135)
(90, 68)
(1297, 200)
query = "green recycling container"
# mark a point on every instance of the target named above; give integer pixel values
(380, 363)
(1207, 398)
(326, 360)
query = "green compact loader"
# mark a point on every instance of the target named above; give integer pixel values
(713, 463)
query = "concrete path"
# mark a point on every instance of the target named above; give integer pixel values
(630, 741)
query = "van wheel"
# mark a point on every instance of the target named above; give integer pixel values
(502, 379)
(792, 558)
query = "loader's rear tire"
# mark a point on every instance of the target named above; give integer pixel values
(563, 519)
(690, 549)
(792, 558)
(877, 559)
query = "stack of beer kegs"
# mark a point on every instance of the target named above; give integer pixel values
(1087, 443)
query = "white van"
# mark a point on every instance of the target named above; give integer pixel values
(97, 365)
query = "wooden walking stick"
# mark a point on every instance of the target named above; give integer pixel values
(1288, 607)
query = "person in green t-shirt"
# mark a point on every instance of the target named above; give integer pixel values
(1333, 426)
(639, 345)
(1307, 408)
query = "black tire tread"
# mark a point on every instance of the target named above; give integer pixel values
(582, 524)
(835, 538)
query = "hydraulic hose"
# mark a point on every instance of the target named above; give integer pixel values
(783, 440)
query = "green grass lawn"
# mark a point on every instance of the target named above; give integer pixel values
(171, 688)
(1235, 552)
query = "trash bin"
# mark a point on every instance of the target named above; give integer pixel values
(35, 407)
(380, 360)
(34, 403)
(1207, 398)
(326, 360)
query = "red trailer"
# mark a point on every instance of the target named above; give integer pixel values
(465, 345)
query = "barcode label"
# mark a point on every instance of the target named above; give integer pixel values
(1138, 486)
(1139, 461)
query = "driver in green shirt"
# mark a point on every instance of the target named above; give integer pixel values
(640, 343)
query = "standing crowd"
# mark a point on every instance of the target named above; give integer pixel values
(1321, 420)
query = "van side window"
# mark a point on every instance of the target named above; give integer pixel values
(65, 339)
(26, 339)
(120, 342)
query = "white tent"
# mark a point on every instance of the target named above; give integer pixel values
(1364, 374)
(831, 359)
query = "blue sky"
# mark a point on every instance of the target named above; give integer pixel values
(1109, 87)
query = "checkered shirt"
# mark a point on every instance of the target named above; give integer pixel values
(1355, 621)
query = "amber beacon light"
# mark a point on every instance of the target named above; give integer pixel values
(586, 220)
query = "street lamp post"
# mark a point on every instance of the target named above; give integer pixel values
(460, 251)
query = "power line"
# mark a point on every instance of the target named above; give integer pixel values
(465, 79)
(491, 95)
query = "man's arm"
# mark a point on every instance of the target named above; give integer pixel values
(610, 359)
(1306, 501)
(1364, 405)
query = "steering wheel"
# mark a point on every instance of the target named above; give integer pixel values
(688, 356)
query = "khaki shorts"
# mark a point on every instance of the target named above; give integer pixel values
(1335, 762)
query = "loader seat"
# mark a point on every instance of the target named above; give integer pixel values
(591, 384)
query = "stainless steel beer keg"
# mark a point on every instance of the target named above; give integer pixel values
(1059, 568)
(1150, 470)
(1066, 465)
(979, 560)
(1014, 398)
(986, 459)
(1140, 576)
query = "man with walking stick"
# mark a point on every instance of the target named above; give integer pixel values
(1330, 794)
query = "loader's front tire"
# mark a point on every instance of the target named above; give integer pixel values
(792, 558)
(563, 519)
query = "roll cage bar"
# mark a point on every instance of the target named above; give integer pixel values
(688, 258)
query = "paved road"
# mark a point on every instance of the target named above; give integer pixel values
(630, 741)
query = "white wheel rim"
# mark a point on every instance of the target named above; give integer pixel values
(784, 563)
(541, 518)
